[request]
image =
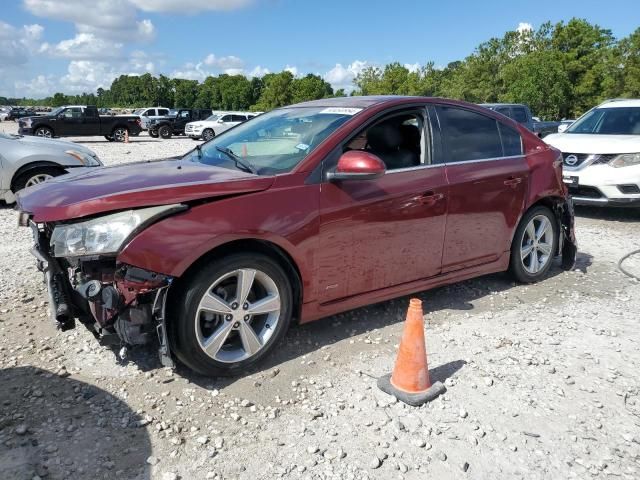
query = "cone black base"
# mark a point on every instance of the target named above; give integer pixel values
(413, 399)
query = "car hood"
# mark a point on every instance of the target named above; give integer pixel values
(594, 144)
(54, 143)
(133, 185)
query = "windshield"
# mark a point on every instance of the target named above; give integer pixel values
(274, 142)
(212, 118)
(56, 111)
(138, 111)
(609, 121)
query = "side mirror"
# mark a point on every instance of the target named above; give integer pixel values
(357, 165)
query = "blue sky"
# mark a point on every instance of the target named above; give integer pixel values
(78, 45)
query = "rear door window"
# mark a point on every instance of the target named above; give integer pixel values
(468, 135)
(511, 141)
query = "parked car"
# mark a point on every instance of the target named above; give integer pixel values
(80, 121)
(106, 111)
(27, 161)
(17, 113)
(298, 214)
(564, 124)
(522, 114)
(216, 124)
(176, 121)
(147, 114)
(601, 154)
(4, 113)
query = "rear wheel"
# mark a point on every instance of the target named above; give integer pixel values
(45, 132)
(534, 245)
(165, 132)
(231, 314)
(120, 134)
(153, 134)
(208, 134)
(35, 177)
(109, 137)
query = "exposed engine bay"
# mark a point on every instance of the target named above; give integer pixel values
(120, 304)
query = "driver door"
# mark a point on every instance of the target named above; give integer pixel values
(388, 231)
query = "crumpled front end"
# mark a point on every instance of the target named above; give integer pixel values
(120, 304)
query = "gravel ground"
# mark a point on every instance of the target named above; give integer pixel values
(542, 382)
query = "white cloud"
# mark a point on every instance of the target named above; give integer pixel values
(83, 46)
(181, 6)
(17, 44)
(412, 67)
(259, 71)
(41, 86)
(342, 76)
(293, 70)
(230, 62)
(524, 27)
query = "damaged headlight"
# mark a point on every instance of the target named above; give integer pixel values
(103, 235)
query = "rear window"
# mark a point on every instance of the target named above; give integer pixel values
(519, 114)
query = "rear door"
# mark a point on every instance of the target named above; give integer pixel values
(487, 175)
(388, 231)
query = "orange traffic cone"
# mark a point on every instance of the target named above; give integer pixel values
(410, 381)
(126, 136)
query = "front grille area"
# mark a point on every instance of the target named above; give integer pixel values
(629, 189)
(584, 191)
(573, 160)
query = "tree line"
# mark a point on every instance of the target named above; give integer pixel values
(560, 70)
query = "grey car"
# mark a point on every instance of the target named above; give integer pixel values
(27, 161)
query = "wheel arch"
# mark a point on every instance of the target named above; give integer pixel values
(36, 126)
(249, 245)
(556, 205)
(32, 166)
(120, 125)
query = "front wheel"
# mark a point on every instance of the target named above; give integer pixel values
(231, 313)
(165, 132)
(208, 134)
(34, 177)
(109, 137)
(153, 134)
(44, 132)
(534, 245)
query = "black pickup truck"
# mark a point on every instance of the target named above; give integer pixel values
(80, 121)
(522, 114)
(174, 123)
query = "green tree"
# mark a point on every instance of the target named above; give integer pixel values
(311, 87)
(277, 91)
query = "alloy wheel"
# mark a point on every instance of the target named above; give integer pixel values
(36, 179)
(237, 315)
(537, 243)
(119, 134)
(43, 132)
(208, 134)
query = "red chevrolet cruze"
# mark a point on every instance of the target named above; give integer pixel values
(295, 215)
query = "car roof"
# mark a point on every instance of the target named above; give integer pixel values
(358, 102)
(620, 103)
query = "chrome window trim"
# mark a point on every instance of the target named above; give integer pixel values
(479, 160)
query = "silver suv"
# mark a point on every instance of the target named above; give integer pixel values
(27, 161)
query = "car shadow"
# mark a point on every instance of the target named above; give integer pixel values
(304, 339)
(617, 214)
(55, 427)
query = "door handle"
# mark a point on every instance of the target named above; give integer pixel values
(429, 198)
(513, 181)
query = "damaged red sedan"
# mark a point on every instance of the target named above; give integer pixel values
(295, 215)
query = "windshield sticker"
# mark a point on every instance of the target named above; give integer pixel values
(302, 146)
(341, 110)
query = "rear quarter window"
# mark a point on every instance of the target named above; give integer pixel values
(520, 115)
(511, 140)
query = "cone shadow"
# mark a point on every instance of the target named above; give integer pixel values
(447, 370)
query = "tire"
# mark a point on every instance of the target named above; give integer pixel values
(35, 176)
(531, 259)
(109, 137)
(208, 134)
(45, 132)
(165, 132)
(192, 326)
(153, 134)
(119, 134)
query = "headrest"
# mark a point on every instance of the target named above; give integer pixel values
(384, 137)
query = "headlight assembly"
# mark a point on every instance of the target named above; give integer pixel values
(86, 159)
(103, 235)
(625, 160)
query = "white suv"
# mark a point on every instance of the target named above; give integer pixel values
(147, 114)
(216, 124)
(601, 154)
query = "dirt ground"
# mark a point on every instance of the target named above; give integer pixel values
(542, 381)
